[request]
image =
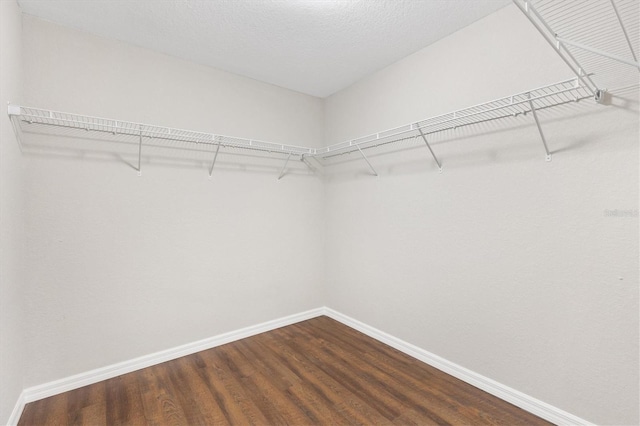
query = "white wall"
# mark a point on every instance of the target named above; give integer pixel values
(12, 328)
(121, 265)
(504, 263)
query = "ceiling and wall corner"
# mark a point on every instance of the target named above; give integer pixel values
(317, 47)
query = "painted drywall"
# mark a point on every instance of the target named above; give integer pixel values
(518, 269)
(12, 329)
(504, 264)
(315, 47)
(123, 265)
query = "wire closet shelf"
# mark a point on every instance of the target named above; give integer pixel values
(31, 115)
(507, 107)
(599, 34)
(511, 106)
(599, 38)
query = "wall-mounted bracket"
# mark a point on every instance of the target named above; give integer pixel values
(367, 160)
(424, 138)
(544, 141)
(306, 163)
(140, 154)
(602, 97)
(13, 109)
(285, 166)
(14, 114)
(215, 157)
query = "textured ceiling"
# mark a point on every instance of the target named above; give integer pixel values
(312, 46)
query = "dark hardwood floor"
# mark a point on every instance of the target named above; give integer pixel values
(314, 372)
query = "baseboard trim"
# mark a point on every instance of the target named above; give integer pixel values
(17, 411)
(93, 376)
(517, 398)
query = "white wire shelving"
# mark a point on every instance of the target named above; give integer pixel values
(589, 33)
(507, 107)
(23, 116)
(560, 93)
(599, 38)
(30, 115)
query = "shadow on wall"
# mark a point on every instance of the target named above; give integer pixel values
(75, 144)
(511, 139)
(505, 140)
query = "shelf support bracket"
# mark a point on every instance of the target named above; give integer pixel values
(306, 163)
(215, 157)
(14, 116)
(544, 141)
(624, 30)
(367, 160)
(285, 166)
(598, 52)
(528, 10)
(424, 138)
(140, 154)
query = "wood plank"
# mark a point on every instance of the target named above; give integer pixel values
(450, 391)
(159, 403)
(314, 372)
(402, 386)
(344, 401)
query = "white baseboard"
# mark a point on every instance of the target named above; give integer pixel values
(93, 376)
(517, 398)
(17, 411)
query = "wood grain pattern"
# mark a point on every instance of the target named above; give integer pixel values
(314, 372)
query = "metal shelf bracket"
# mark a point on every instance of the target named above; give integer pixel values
(14, 114)
(547, 33)
(588, 48)
(215, 157)
(598, 51)
(13, 109)
(624, 30)
(424, 138)
(285, 166)
(367, 160)
(140, 154)
(306, 163)
(544, 141)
